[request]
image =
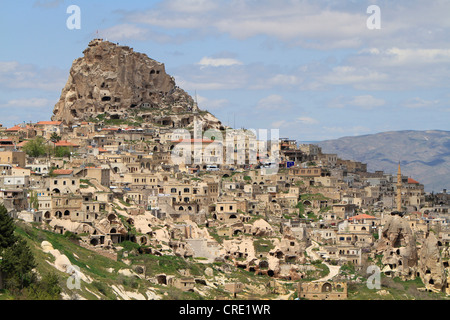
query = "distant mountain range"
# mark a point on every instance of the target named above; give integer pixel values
(424, 155)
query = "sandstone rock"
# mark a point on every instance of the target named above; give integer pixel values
(397, 244)
(209, 272)
(430, 265)
(46, 246)
(118, 83)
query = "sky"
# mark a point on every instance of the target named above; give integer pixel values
(313, 69)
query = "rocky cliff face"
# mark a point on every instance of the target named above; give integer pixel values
(430, 265)
(115, 82)
(397, 245)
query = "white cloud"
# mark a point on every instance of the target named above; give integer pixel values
(417, 103)
(190, 6)
(124, 31)
(367, 102)
(351, 131)
(307, 120)
(350, 75)
(218, 62)
(48, 3)
(278, 124)
(14, 75)
(28, 103)
(306, 23)
(362, 101)
(273, 102)
(211, 104)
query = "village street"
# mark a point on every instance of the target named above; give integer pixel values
(334, 270)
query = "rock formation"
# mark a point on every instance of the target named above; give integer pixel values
(430, 266)
(397, 245)
(114, 82)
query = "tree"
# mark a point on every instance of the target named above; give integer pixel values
(62, 152)
(46, 289)
(55, 138)
(36, 147)
(17, 263)
(7, 227)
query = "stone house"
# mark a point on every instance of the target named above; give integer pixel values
(321, 290)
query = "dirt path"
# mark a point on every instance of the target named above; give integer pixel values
(334, 270)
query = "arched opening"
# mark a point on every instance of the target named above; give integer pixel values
(56, 190)
(47, 215)
(58, 214)
(113, 230)
(111, 217)
(67, 213)
(94, 241)
(326, 287)
(161, 279)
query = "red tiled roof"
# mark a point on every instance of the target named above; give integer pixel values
(361, 217)
(15, 128)
(21, 144)
(62, 171)
(54, 123)
(412, 181)
(65, 143)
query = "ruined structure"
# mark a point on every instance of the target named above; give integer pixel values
(397, 245)
(114, 82)
(323, 290)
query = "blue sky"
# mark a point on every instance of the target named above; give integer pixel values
(311, 68)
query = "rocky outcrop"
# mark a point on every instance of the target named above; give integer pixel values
(397, 245)
(114, 82)
(430, 266)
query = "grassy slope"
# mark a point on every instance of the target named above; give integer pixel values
(96, 267)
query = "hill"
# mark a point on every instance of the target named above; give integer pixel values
(424, 155)
(112, 82)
